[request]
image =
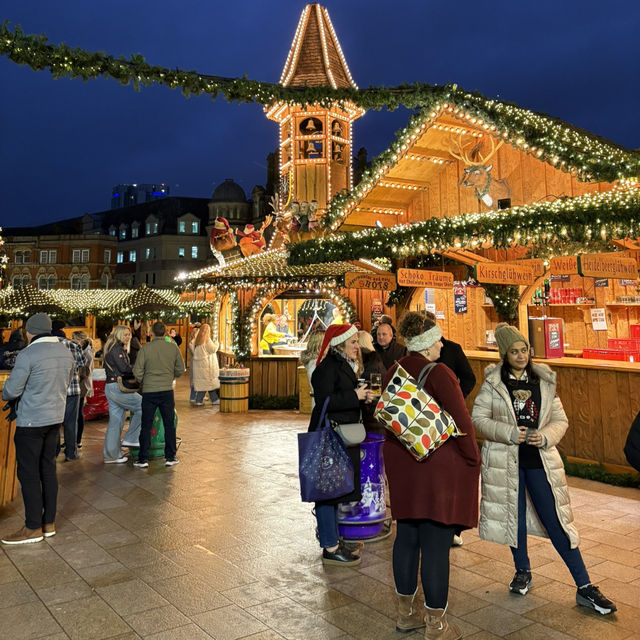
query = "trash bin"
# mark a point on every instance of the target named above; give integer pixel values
(367, 519)
(156, 448)
(234, 390)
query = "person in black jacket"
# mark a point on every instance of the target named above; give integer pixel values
(453, 356)
(632, 445)
(336, 377)
(390, 351)
(371, 363)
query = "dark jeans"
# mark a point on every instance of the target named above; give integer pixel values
(36, 449)
(70, 426)
(327, 518)
(431, 540)
(164, 401)
(535, 482)
(80, 421)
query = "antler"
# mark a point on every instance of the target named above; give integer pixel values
(458, 151)
(485, 159)
(472, 156)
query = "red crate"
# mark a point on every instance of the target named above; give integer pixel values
(634, 330)
(625, 344)
(604, 354)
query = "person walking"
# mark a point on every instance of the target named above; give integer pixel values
(70, 422)
(336, 377)
(159, 363)
(205, 367)
(86, 379)
(431, 499)
(117, 365)
(390, 351)
(39, 380)
(524, 488)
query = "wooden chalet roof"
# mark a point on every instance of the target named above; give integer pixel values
(315, 58)
(273, 265)
(421, 153)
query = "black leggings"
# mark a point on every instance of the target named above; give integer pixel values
(433, 541)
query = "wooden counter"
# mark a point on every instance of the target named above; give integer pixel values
(8, 479)
(600, 397)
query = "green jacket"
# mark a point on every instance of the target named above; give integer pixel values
(158, 363)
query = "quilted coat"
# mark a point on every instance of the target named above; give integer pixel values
(494, 420)
(204, 365)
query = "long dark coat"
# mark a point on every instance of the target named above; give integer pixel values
(444, 487)
(334, 378)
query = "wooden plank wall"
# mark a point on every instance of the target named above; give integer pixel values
(273, 376)
(600, 405)
(8, 466)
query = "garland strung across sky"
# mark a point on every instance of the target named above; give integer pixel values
(556, 141)
(549, 228)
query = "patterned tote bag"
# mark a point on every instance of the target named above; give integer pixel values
(413, 415)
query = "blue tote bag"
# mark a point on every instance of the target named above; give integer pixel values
(324, 466)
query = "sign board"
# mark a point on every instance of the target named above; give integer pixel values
(627, 283)
(598, 319)
(376, 281)
(536, 265)
(563, 265)
(503, 273)
(601, 282)
(601, 265)
(425, 278)
(459, 298)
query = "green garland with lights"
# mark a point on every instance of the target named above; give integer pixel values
(590, 157)
(590, 221)
(505, 299)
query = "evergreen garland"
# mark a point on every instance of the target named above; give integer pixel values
(505, 299)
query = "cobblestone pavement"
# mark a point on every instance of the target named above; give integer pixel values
(220, 546)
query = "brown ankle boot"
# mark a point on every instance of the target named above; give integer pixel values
(408, 618)
(438, 627)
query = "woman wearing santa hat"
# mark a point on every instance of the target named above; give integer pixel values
(336, 378)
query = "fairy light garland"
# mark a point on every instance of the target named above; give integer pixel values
(4, 260)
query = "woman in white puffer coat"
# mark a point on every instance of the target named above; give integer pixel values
(524, 488)
(206, 371)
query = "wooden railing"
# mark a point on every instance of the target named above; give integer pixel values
(8, 466)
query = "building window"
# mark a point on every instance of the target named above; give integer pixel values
(180, 252)
(44, 257)
(132, 255)
(105, 280)
(25, 280)
(75, 256)
(84, 281)
(147, 253)
(194, 252)
(153, 278)
(120, 257)
(195, 227)
(18, 258)
(123, 233)
(16, 282)
(53, 256)
(112, 231)
(26, 257)
(85, 255)
(51, 282)
(134, 231)
(107, 256)
(182, 226)
(148, 228)
(155, 227)
(75, 282)
(42, 282)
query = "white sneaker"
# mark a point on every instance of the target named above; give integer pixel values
(118, 461)
(457, 541)
(140, 465)
(171, 462)
(135, 445)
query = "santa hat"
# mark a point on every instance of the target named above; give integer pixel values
(334, 335)
(221, 223)
(247, 231)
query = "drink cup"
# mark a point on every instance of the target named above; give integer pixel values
(375, 382)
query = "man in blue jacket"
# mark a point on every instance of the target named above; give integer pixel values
(39, 381)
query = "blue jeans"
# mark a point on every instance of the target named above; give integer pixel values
(327, 517)
(36, 449)
(164, 401)
(119, 404)
(192, 395)
(535, 482)
(213, 396)
(70, 427)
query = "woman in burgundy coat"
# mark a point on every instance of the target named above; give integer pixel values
(432, 498)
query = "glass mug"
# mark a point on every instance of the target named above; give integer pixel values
(375, 383)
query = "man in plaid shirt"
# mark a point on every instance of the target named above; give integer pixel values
(70, 422)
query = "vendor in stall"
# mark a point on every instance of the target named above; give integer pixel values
(270, 336)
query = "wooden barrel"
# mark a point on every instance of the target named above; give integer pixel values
(234, 396)
(8, 467)
(304, 391)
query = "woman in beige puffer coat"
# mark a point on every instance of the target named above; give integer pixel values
(524, 488)
(204, 363)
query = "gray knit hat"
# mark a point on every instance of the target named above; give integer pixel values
(38, 324)
(505, 336)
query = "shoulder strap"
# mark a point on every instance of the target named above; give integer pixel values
(424, 374)
(323, 414)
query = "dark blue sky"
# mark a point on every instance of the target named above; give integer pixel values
(65, 143)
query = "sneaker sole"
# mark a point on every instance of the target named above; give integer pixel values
(29, 541)
(170, 464)
(521, 592)
(337, 563)
(49, 534)
(141, 466)
(585, 602)
(116, 461)
(135, 445)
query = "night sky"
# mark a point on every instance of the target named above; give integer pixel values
(65, 143)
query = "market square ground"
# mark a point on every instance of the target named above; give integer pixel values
(221, 547)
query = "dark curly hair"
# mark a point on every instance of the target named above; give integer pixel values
(413, 324)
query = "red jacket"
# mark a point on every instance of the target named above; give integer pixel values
(444, 487)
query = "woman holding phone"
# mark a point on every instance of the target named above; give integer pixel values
(524, 488)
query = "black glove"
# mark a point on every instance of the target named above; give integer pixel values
(12, 408)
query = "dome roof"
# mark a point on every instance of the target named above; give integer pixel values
(228, 191)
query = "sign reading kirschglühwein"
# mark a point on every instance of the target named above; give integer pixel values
(425, 278)
(536, 265)
(377, 281)
(503, 273)
(607, 265)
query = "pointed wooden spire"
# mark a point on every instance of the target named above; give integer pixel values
(315, 58)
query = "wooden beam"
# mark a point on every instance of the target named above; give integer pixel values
(388, 183)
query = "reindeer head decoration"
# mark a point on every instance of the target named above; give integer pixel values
(477, 171)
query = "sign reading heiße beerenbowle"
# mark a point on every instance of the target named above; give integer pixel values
(376, 281)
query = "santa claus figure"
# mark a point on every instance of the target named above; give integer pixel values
(251, 239)
(221, 237)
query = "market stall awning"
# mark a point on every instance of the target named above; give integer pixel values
(26, 300)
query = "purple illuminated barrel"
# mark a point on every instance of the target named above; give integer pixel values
(368, 518)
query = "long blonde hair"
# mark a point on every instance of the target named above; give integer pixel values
(116, 336)
(204, 334)
(313, 348)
